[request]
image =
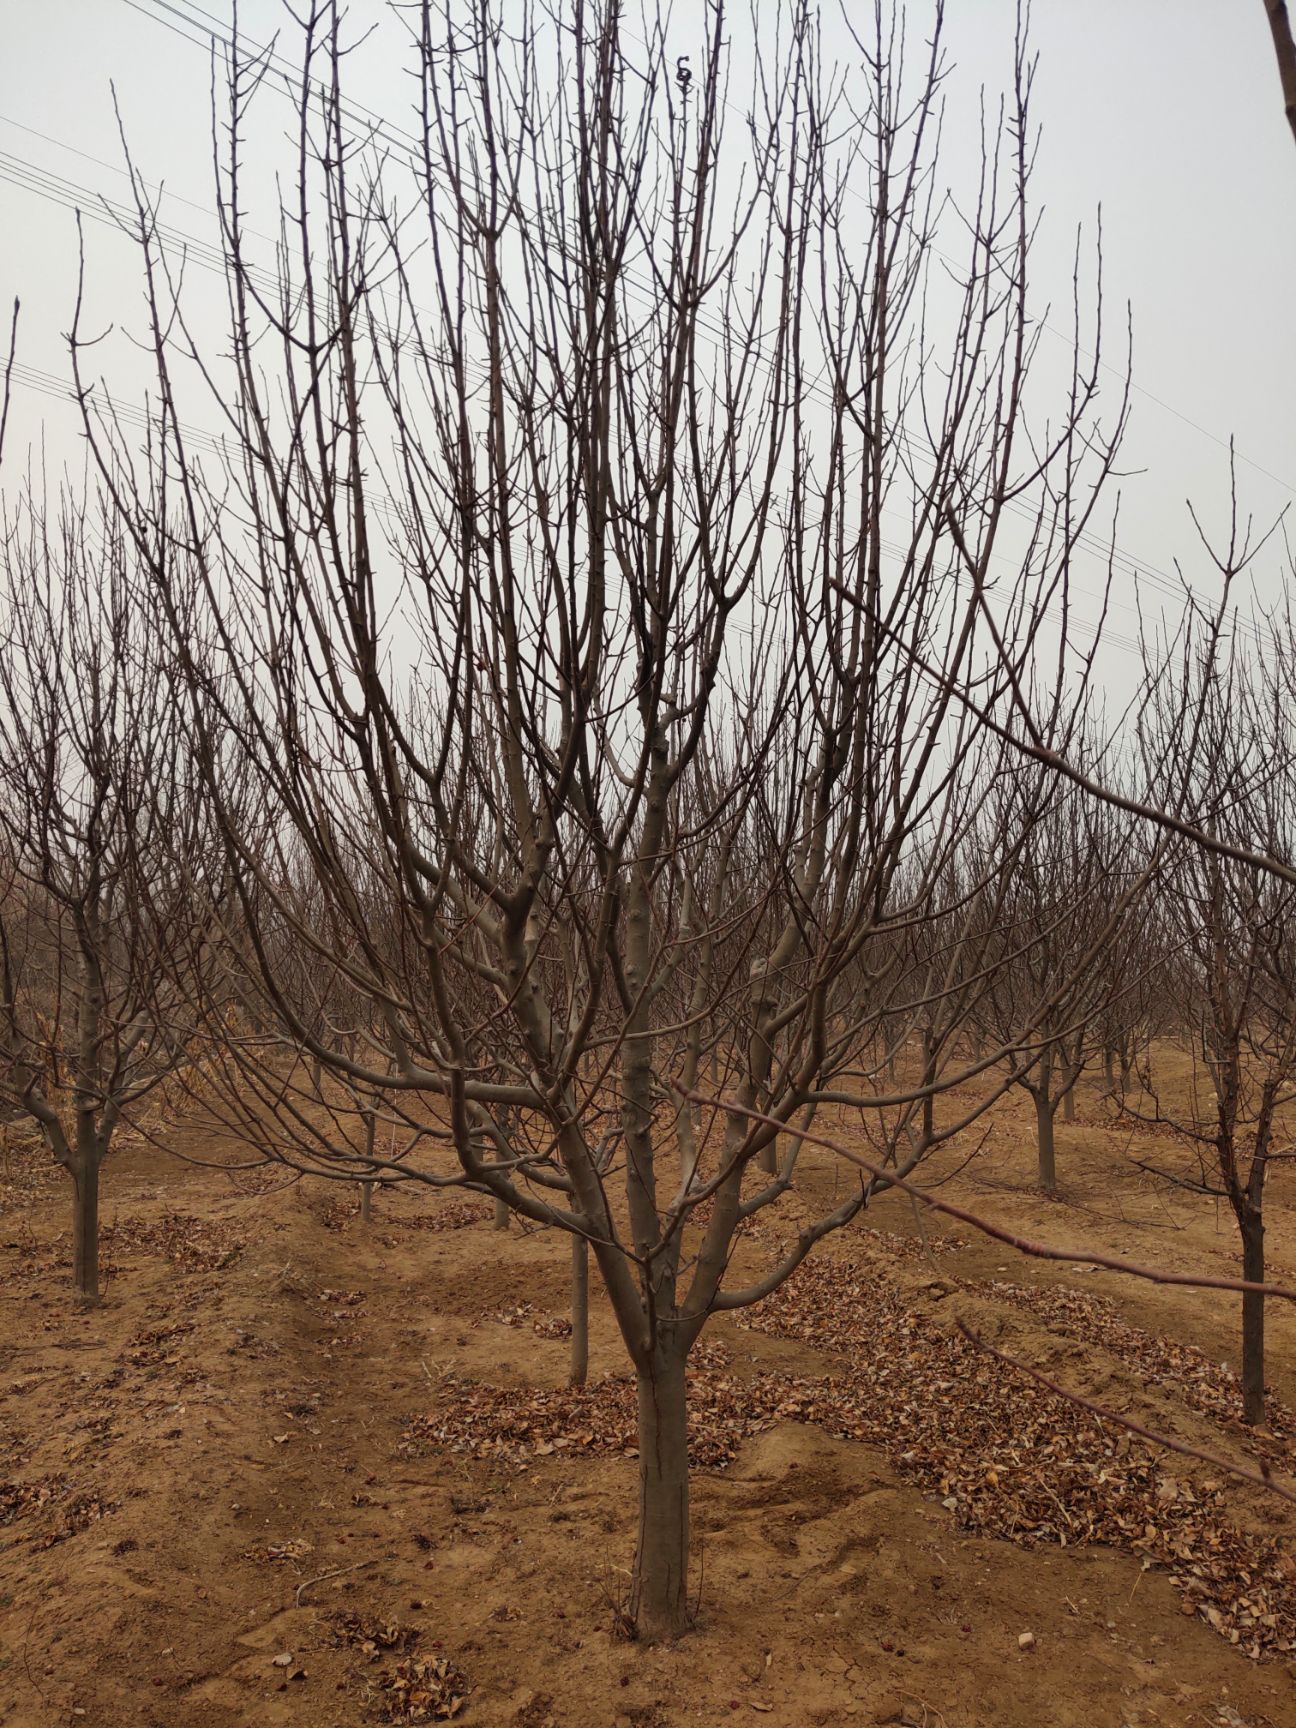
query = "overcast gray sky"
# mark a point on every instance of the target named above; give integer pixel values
(1165, 112)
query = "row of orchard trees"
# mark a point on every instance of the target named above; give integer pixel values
(560, 740)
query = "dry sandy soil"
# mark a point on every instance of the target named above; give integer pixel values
(297, 1470)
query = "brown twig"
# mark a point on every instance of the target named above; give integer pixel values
(324, 1577)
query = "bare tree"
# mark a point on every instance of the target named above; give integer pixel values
(1235, 930)
(101, 829)
(568, 589)
(1073, 878)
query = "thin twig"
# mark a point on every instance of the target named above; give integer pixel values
(324, 1577)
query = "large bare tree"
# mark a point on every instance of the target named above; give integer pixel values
(596, 493)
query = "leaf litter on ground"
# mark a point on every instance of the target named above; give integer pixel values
(1005, 1457)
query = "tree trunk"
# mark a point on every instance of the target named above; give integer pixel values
(1109, 1069)
(1068, 1104)
(85, 1230)
(1044, 1134)
(767, 1159)
(928, 1078)
(501, 1218)
(659, 1595)
(579, 1311)
(366, 1188)
(1253, 1318)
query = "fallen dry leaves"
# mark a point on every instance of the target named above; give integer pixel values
(421, 1689)
(190, 1243)
(59, 1510)
(1005, 1457)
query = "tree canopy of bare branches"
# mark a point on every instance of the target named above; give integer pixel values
(597, 492)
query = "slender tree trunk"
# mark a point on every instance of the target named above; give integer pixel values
(1253, 1319)
(501, 1218)
(659, 1596)
(85, 1230)
(928, 1077)
(366, 1188)
(1044, 1136)
(1068, 1103)
(1109, 1069)
(579, 1311)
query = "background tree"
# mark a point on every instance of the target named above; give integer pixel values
(1235, 929)
(1074, 874)
(103, 836)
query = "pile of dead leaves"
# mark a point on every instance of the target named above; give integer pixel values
(372, 1638)
(552, 1327)
(421, 1689)
(1210, 1387)
(27, 1166)
(190, 1243)
(455, 1215)
(57, 1509)
(1005, 1456)
(1017, 1461)
(515, 1425)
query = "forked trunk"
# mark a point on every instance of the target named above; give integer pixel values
(1253, 1319)
(659, 1595)
(85, 1230)
(579, 1370)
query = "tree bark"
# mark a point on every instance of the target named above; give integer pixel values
(1044, 1135)
(85, 1230)
(659, 1594)
(1068, 1104)
(1253, 1319)
(579, 1371)
(366, 1188)
(1109, 1069)
(501, 1218)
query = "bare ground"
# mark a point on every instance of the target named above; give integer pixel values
(273, 1479)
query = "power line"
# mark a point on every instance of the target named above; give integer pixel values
(369, 123)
